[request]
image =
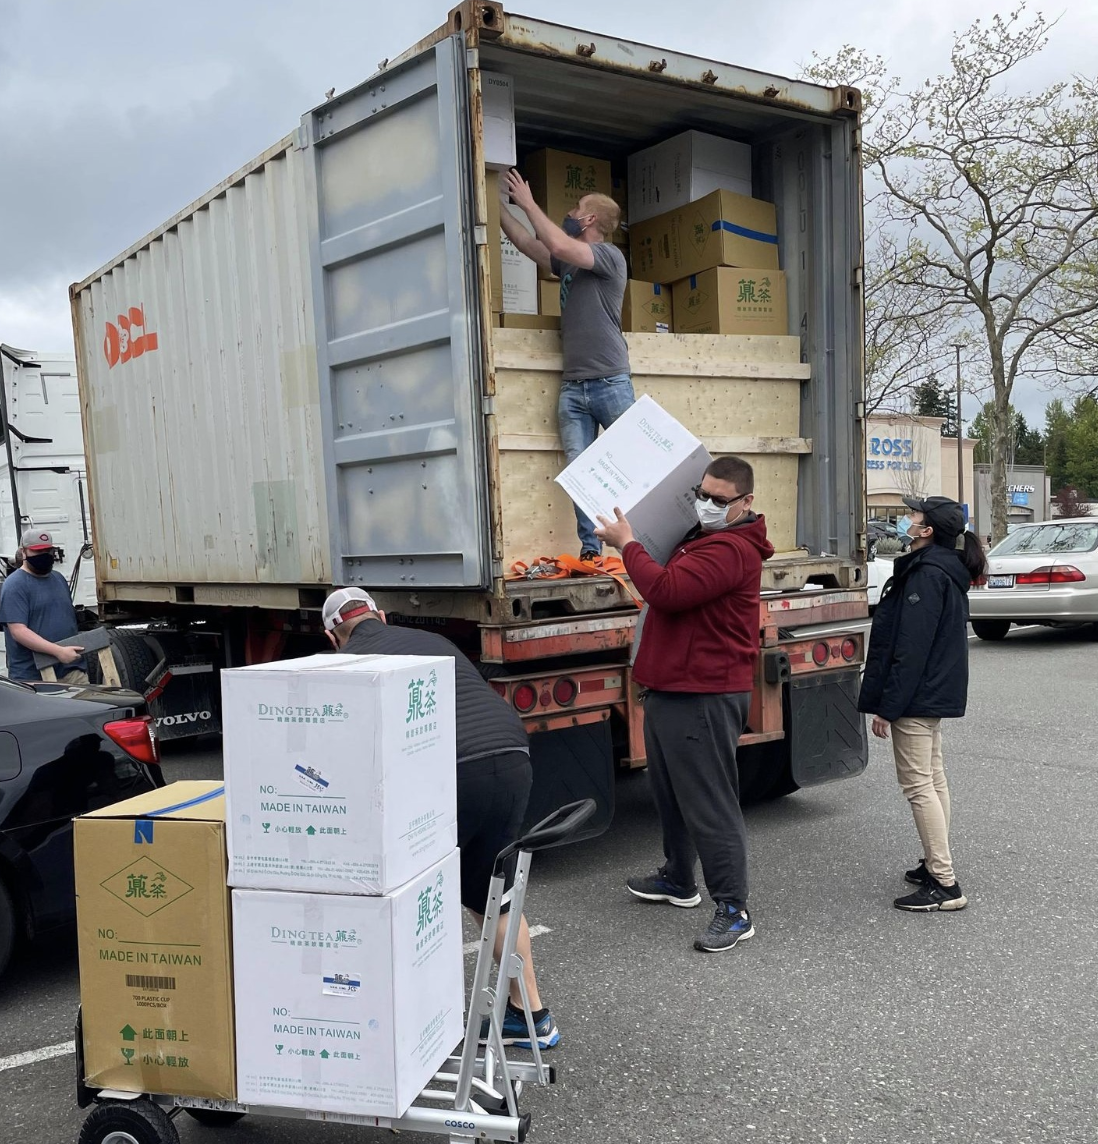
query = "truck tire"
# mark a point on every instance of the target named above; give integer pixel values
(991, 629)
(134, 659)
(128, 1122)
(8, 926)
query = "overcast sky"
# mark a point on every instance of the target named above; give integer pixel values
(115, 115)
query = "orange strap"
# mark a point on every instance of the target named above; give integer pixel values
(561, 567)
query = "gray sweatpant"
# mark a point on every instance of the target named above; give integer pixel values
(691, 742)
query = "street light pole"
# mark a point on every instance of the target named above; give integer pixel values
(960, 433)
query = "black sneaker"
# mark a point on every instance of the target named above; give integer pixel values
(589, 554)
(656, 888)
(932, 895)
(728, 927)
(919, 876)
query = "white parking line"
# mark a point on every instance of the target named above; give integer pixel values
(36, 1055)
(535, 931)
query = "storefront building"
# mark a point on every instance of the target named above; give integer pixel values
(908, 457)
(1028, 496)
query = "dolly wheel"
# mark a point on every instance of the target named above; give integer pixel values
(128, 1122)
(213, 1117)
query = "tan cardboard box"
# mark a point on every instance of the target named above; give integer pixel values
(549, 297)
(721, 229)
(732, 301)
(560, 179)
(646, 308)
(154, 939)
(529, 322)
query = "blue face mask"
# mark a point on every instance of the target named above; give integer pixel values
(903, 526)
(572, 227)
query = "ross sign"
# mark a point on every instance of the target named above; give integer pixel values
(899, 450)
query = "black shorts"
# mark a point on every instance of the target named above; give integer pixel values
(491, 800)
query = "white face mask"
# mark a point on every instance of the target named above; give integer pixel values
(711, 516)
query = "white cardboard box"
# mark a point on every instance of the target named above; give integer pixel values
(347, 1004)
(340, 771)
(498, 103)
(646, 464)
(683, 169)
(520, 274)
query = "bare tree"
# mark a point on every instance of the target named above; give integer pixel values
(993, 197)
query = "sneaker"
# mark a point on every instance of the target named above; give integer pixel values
(919, 876)
(515, 1032)
(932, 895)
(656, 888)
(589, 554)
(726, 929)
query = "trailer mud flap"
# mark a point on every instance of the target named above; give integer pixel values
(827, 730)
(571, 764)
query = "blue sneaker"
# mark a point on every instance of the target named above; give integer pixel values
(656, 888)
(517, 1035)
(726, 929)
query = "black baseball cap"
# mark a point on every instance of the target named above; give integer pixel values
(945, 516)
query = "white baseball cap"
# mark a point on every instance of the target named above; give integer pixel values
(339, 606)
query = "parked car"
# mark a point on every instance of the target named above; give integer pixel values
(879, 572)
(1044, 573)
(884, 530)
(63, 751)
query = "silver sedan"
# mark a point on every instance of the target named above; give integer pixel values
(1043, 573)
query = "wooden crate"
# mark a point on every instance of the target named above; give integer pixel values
(738, 394)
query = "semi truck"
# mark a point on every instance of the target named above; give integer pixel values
(300, 380)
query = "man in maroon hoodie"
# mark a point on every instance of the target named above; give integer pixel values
(697, 661)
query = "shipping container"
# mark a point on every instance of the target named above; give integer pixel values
(298, 380)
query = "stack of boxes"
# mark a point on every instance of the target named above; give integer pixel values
(341, 787)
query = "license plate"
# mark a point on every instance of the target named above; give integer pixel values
(1000, 581)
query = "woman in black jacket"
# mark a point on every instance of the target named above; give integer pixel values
(916, 675)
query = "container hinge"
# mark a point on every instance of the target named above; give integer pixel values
(497, 569)
(301, 138)
(857, 277)
(472, 59)
(859, 410)
(488, 405)
(480, 234)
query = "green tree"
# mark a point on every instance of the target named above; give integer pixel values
(1082, 446)
(1025, 446)
(929, 399)
(995, 191)
(1057, 432)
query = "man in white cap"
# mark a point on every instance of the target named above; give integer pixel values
(36, 610)
(493, 777)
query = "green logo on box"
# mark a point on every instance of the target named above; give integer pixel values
(146, 886)
(430, 906)
(324, 713)
(421, 698)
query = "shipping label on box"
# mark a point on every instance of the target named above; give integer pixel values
(646, 308)
(684, 169)
(498, 103)
(721, 229)
(732, 301)
(559, 179)
(348, 1004)
(340, 771)
(154, 939)
(646, 464)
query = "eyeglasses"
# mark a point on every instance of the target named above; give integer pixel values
(720, 502)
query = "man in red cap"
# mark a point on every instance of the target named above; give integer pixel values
(36, 610)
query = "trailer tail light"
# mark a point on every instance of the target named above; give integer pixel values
(821, 653)
(498, 688)
(1065, 574)
(849, 649)
(524, 697)
(137, 737)
(565, 692)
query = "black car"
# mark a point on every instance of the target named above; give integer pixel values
(885, 530)
(63, 751)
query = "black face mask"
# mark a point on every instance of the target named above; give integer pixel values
(42, 564)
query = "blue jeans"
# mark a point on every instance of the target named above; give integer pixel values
(583, 407)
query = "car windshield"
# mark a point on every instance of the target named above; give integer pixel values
(1051, 537)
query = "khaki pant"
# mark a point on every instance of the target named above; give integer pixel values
(72, 678)
(917, 747)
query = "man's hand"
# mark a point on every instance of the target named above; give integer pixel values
(880, 727)
(515, 186)
(617, 533)
(67, 653)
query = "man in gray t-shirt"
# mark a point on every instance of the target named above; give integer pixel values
(596, 388)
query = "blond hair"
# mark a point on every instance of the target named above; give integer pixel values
(607, 212)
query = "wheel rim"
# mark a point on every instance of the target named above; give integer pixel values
(117, 1137)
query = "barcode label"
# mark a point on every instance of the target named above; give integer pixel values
(140, 981)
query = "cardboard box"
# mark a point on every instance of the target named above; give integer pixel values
(529, 322)
(340, 771)
(646, 464)
(154, 938)
(549, 298)
(498, 105)
(646, 308)
(721, 229)
(514, 277)
(684, 169)
(348, 1004)
(732, 301)
(559, 179)
(619, 192)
